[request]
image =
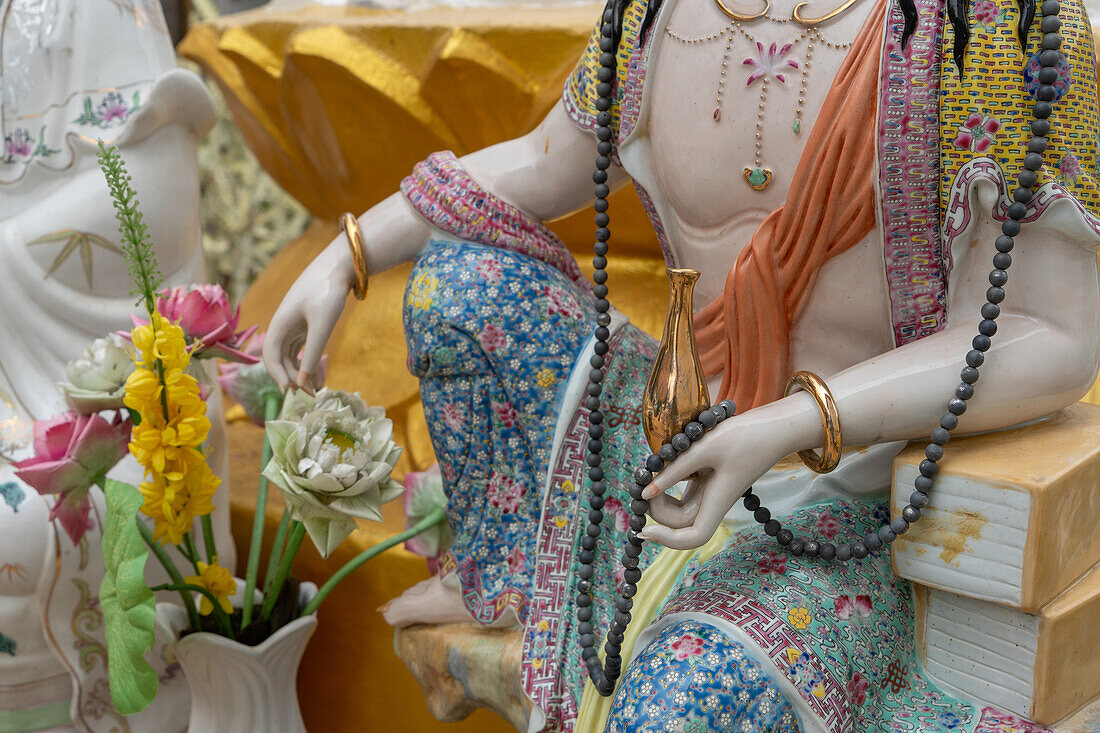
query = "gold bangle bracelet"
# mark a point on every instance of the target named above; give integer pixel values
(830, 422)
(350, 225)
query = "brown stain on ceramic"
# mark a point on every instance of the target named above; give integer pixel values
(948, 531)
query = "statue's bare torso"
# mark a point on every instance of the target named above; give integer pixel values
(698, 162)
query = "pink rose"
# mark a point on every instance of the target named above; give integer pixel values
(454, 416)
(561, 303)
(515, 559)
(72, 452)
(208, 320)
(489, 268)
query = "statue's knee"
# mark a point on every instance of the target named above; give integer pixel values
(693, 677)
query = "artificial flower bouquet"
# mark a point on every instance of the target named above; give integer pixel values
(143, 392)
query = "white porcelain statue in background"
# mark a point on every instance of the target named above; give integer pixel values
(73, 72)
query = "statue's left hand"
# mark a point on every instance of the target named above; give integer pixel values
(727, 461)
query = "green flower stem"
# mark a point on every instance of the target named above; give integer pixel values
(208, 539)
(297, 534)
(271, 410)
(172, 570)
(276, 550)
(352, 565)
(221, 618)
(189, 551)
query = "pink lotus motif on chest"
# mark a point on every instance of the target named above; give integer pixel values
(770, 62)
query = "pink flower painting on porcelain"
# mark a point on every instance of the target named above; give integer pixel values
(504, 493)
(827, 524)
(772, 564)
(977, 132)
(857, 689)
(615, 510)
(491, 338)
(846, 606)
(770, 62)
(71, 453)
(987, 13)
(686, 646)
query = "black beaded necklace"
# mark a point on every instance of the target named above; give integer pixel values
(605, 675)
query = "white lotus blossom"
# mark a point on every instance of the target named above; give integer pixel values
(332, 456)
(97, 378)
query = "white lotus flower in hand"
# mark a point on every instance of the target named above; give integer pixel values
(97, 379)
(332, 456)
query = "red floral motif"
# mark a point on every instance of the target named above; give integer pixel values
(772, 563)
(1070, 168)
(857, 689)
(491, 338)
(506, 413)
(504, 493)
(559, 302)
(489, 268)
(845, 606)
(995, 721)
(516, 558)
(986, 12)
(687, 646)
(614, 509)
(977, 132)
(454, 416)
(827, 524)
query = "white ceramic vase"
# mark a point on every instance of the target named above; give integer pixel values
(237, 688)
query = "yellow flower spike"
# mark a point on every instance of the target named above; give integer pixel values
(179, 484)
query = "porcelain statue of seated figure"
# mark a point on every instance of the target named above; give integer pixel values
(74, 71)
(839, 174)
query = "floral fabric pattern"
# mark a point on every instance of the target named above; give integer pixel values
(493, 336)
(692, 678)
(842, 634)
(554, 672)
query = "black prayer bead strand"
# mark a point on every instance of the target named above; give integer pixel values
(604, 676)
(1026, 180)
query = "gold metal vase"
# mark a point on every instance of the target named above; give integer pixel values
(677, 389)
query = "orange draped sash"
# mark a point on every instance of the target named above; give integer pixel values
(745, 333)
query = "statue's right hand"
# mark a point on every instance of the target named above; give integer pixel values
(304, 320)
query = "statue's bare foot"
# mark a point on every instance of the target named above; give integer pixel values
(431, 602)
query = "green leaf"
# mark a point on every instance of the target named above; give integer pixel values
(128, 606)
